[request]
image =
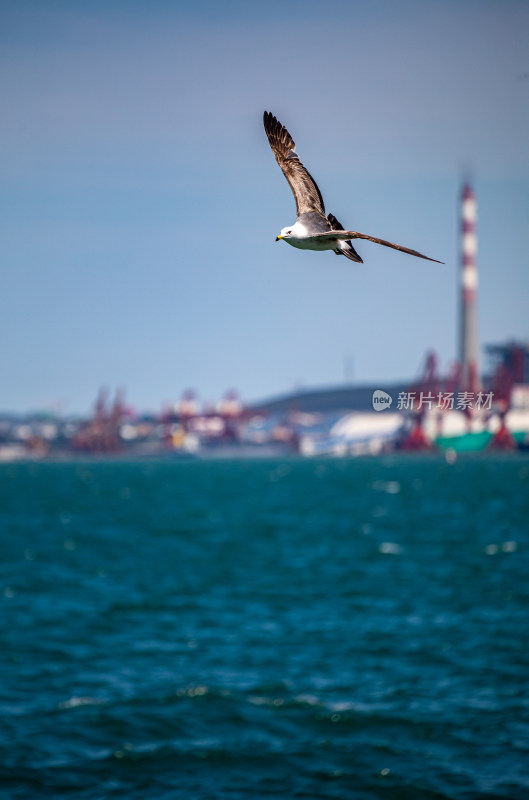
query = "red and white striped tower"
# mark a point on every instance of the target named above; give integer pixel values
(468, 343)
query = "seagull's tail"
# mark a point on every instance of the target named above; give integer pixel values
(345, 248)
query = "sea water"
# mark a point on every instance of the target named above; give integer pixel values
(292, 629)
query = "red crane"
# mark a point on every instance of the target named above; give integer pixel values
(502, 383)
(422, 395)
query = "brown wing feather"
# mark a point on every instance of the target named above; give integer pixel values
(356, 235)
(307, 195)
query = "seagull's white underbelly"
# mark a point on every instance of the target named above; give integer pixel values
(312, 243)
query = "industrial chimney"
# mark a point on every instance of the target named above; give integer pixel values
(468, 343)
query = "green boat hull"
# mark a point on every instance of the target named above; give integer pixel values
(473, 442)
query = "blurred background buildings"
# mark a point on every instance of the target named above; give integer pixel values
(460, 410)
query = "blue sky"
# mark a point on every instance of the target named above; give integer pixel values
(140, 200)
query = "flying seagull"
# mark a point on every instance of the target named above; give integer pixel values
(313, 229)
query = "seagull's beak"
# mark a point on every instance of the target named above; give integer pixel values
(278, 237)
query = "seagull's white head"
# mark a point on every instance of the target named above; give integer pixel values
(292, 232)
(286, 233)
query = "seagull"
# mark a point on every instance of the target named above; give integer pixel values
(313, 229)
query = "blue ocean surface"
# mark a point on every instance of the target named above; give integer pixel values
(257, 629)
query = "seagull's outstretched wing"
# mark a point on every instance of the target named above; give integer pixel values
(356, 235)
(308, 196)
